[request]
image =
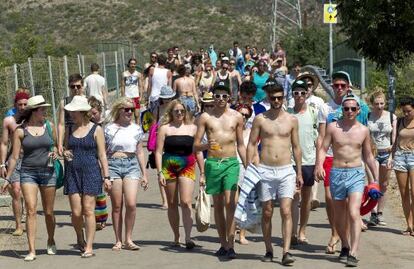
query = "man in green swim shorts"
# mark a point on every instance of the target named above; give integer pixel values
(224, 129)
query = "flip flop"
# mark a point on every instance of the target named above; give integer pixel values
(131, 246)
(407, 232)
(17, 232)
(87, 255)
(331, 248)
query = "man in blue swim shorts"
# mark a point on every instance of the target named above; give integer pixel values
(350, 141)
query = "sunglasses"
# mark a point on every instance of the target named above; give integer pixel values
(350, 108)
(129, 109)
(208, 106)
(221, 96)
(339, 85)
(179, 111)
(153, 56)
(232, 63)
(246, 116)
(274, 98)
(301, 93)
(75, 86)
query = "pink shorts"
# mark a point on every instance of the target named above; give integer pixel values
(136, 102)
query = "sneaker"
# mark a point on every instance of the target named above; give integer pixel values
(231, 254)
(287, 259)
(221, 252)
(351, 261)
(51, 249)
(381, 220)
(373, 220)
(268, 257)
(343, 256)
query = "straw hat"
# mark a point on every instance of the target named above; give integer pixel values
(207, 97)
(308, 75)
(36, 101)
(78, 103)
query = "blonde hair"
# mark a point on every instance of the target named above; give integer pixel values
(118, 105)
(378, 92)
(168, 115)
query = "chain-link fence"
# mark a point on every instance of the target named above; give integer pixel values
(49, 76)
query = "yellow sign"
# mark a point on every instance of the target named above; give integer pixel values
(329, 13)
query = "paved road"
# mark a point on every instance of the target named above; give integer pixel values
(380, 247)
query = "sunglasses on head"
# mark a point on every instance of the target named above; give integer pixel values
(179, 111)
(75, 86)
(129, 109)
(350, 108)
(297, 93)
(223, 96)
(274, 98)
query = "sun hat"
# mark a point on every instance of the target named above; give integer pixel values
(78, 103)
(207, 97)
(36, 101)
(167, 92)
(299, 84)
(312, 77)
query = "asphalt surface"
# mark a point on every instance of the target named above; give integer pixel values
(381, 247)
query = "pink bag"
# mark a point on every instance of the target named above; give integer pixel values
(152, 137)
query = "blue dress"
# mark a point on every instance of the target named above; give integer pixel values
(83, 173)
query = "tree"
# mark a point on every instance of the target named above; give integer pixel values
(383, 30)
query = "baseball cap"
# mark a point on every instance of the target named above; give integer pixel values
(299, 84)
(221, 85)
(342, 75)
(351, 96)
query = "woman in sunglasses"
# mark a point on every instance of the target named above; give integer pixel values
(175, 161)
(126, 167)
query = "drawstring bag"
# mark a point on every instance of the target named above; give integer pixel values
(202, 213)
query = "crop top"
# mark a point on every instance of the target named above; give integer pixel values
(122, 139)
(179, 145)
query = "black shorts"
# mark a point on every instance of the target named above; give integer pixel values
(307, 175)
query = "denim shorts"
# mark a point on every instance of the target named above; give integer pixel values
(382, 157)
(42, 176)
(345, 181)
(124, 168)
(403, 160)
(189, 102)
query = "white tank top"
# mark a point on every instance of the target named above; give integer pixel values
(159, 79)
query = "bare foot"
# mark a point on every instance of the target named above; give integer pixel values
(243, 241)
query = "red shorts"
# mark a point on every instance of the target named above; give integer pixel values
(327, 165)
(136, 102)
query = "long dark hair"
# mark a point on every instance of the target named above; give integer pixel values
(25, 116)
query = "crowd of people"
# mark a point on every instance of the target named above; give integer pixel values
(240, 117)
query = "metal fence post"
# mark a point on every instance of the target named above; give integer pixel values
(123, 58)
(29, 61)
(79, 64)
(16, 80)
(65, 69)
(49, 60)
(83, 65)
(116, 74)
(104, 69)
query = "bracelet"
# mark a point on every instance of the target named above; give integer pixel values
(107, 178)
(2, 165)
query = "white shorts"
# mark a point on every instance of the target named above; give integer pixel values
(276, 182)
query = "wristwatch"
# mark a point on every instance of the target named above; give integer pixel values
(108, 178)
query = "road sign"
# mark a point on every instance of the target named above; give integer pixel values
(329, 13)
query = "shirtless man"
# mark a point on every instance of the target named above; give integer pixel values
(224, 129)
(9, 125)
(349, 139)
(185, 87)
(278, 133)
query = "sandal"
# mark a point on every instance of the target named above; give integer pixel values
(80, 246)
(131, 246)
(175, 245)
(407, 231)
(331, 248)
(17, 232)
(87, 255)
(117, 246)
